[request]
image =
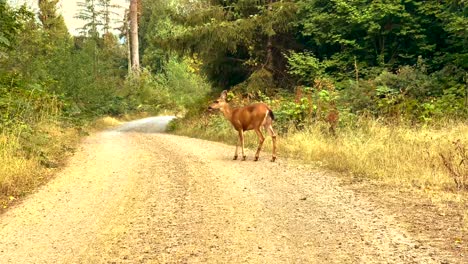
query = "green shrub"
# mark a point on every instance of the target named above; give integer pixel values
(143, 93)
(177, 89)
(410, 94)
(186, 88)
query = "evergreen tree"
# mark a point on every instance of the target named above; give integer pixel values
(51, 20)
(106, 14)
(234, 38)
(90, 14)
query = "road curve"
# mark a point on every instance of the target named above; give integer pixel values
(132, 196)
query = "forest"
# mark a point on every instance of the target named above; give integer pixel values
(376, 89)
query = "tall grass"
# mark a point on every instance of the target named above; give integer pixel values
(15, 169)
(32, 140)
(397, 155)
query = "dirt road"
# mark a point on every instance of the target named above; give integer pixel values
(130, 196)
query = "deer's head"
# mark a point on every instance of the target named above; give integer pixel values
(220, 102)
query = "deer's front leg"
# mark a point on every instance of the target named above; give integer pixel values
(241, 138)
(237, 147)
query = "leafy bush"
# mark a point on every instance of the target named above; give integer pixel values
(260, 81)
(177, 89)
(305, 66)
(24, 107)
(311, 104)
(143, 93)
(410, 94)
(185, 87)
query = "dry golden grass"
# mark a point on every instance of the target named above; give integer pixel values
(105, 122)
(15, 170)
(392, 157)
(25, 164)
(396, 155)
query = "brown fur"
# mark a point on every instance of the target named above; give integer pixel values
(250, 117)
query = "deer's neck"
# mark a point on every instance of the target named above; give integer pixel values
(227, 112)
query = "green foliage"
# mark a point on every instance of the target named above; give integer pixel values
(11, 22)
(90, 14)
(293, 113)
(156, 24)
(305, 66)
(106, 13)
(51, 20)
(85, 76)
(230, 38)
(259, 82)
(409, 94)
(24, 107)
(177, 89)
(185, 87)
(144, 93)
(402, 60)
(384, 34)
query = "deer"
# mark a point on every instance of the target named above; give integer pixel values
(250, 117)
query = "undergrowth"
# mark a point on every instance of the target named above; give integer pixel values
(398, 155)
(428, 160)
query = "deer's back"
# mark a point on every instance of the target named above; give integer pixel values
(250, 116)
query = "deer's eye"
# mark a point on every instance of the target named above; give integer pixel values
(216, 102)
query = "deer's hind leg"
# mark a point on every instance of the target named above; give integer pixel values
(261, 139)
(272, 133)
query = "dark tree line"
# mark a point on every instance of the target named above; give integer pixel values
(365, 47)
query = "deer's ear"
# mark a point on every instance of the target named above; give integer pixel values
(224, 95)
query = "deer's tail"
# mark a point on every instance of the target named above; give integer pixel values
(270, 113)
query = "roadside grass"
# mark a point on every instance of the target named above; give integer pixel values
(14, 170)
(29, 156)
(397, 155)
(105, 122)
(400, 157)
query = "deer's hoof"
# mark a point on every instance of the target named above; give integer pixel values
(244, 158)
(273, 159)
(256, 159)
(235, 157)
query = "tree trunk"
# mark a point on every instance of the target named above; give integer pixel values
(126, 31)
(134, 36)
